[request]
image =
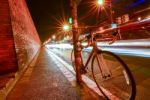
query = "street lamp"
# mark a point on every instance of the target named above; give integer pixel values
(100, 2)
(66, 27)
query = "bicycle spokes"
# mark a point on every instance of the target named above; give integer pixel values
(112, 75)
(103, 67)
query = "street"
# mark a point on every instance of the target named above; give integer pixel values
(139, 65)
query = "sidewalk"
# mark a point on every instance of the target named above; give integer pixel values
(45, 81)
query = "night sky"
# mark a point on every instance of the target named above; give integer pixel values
(46, 14)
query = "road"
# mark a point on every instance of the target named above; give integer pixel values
(138, 61)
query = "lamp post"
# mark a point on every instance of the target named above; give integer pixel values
(76, 43)
(111, 13)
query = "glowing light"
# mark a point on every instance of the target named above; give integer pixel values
(60, 21)
(100, 2)
(70, 20)
(66, 27)
(53, 37)
(101, 28)
(113, 25)
(139, 18)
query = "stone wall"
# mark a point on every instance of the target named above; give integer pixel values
(27, 41)
(8, 61)
(19, 43)
(19, 40)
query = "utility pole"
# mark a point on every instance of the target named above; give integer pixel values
(76, 43)
(111, 13)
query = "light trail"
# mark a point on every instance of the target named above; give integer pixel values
(139, 48)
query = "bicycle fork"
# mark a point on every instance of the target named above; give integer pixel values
(102, 64)
(104, 69)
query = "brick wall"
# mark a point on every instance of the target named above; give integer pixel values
(27, 41)
(8, 61)
(19, 41)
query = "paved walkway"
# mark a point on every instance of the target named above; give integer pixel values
(45, 81)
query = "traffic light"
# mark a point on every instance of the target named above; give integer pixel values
(70, 20)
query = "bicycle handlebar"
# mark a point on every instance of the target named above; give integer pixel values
(90, 38)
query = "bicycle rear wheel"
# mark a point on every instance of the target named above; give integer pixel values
(83, 61)
(113, 76)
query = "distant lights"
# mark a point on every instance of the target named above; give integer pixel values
(101, 28)
(139, 18)
(53, 37)
(113, 25)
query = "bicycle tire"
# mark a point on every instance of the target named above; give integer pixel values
(73, 60)
(117, 79)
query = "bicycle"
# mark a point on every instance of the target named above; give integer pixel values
(109, 71)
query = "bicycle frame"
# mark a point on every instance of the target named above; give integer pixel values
(94, 50)
(104, 70)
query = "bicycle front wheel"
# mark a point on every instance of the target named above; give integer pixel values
(112, 76)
